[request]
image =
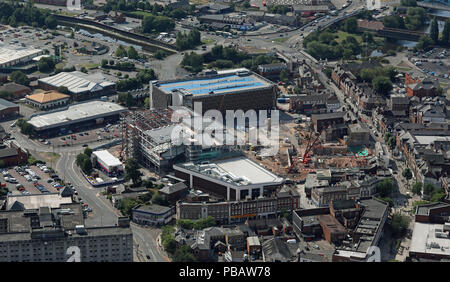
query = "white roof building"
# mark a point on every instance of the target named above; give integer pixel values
(11, 55)
(78, 82)
(107, 160)
(75, 114)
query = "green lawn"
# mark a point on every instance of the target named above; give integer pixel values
(342, 35)
(89, 66)
(208, 41)
(141, 13)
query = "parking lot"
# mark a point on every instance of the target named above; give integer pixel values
(30, 180)
(85, 137)
(434, 62)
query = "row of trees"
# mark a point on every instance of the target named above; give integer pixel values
(196, 224)
(178, 253)
(143, 76)
(16, 14)
(188, 40)
(224, 57)
(25, 127)
(84, 162)
(152, 24)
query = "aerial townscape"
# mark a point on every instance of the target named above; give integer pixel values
(225, 131)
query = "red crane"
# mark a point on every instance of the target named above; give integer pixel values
(310, 146)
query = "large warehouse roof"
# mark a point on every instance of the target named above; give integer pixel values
(76, 113)
(13, 54)
(78, 82)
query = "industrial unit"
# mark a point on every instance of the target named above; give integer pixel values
(12, 55)
(81, 86)
(75, 116)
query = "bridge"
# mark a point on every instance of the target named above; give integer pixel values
(147, 43)
(402, 34)
(434, 5)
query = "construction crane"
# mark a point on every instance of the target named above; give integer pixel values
(310, 146)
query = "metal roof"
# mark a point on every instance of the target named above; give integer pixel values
(78, 82)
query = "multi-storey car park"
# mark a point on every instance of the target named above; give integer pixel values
(235, 89)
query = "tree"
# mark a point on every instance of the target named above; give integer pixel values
(425, 42)
(46, 65)
(63, 89)
(51, 22)
(159, 200)
(428, 188)
(351, 25)
(434, 30)
(83, 69)
(160, 54)
(132, 171)
(399, 224)
(446, 33)
(19, 78)
(104, 63)
(417, 188)
(183, 254)
(407, 174)
(284, 76)
(120, 52)
(132, 53)
(382, 85)
(385, 187)
(88, 151)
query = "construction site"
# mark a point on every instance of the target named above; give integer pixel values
(303, 150)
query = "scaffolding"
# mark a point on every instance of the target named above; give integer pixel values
(134, 124)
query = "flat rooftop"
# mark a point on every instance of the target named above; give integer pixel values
(10, 54)
(35, 201)
(107, 158)
(239, 171)
(221, 83)
(430, 239)
(75, 113)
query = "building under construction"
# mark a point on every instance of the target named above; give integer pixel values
(159, 138)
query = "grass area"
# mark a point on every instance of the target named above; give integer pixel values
(402, 68)
(198, 2)
(60, 65)
(141, 13)
(208, 41)
(90, 66)
(342, 35)
(49, 157)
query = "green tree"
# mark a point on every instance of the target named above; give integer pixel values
(382, 85)
(159, 55)
(385, 187)
(183, 254)
(425, 42)
(132, 171)
(104, 63)
(446, 33)
(51, 22)
(407, 174)
(434, 31)
(121, 52)
(19, 78)
(132, 53)
(417, 188)
(88, 151)
(46, 65)
(351, 25)
(284, 76)
(428, 189)
(63, 89)
(399, 224)
(159, 200)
